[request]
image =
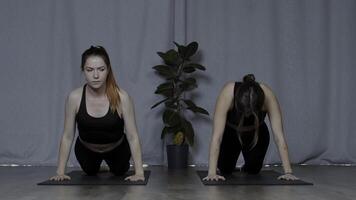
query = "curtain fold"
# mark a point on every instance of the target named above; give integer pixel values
(304, 50)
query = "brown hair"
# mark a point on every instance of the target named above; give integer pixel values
(111, 86)
(249, 100)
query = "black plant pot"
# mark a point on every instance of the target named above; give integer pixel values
(177, 156)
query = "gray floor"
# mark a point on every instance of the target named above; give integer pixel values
(330, 182)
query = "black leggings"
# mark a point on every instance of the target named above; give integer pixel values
(117, 159)
(230, 149)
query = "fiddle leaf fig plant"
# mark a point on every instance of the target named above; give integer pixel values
(178, 71)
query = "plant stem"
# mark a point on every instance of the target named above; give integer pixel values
(180, 69)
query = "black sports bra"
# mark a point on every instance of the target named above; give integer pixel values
(98, 130)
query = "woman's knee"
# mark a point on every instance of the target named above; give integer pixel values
(225, 169)
(252, 168)
(90, 171)
(119, 170)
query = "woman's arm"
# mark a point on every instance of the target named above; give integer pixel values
(275, 118)
(67, 138)
(222, 106)
(132, 135)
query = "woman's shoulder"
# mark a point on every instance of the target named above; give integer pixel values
(227, 91)
(270, 97)
(75, 96)
(124, 97)
(123, 94)
(76, 93)
(229, 86)
(266, 89)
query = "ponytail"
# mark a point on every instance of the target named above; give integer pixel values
(249, 99)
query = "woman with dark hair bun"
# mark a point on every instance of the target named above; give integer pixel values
(239, 127)
(102, 111)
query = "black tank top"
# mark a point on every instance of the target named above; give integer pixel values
(233, 117)
(98, 130)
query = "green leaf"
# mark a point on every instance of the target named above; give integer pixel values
(166, 71)
(181, 50)
(168, 94)
(156, 104)
(190, 81)
(166, 86)
(188, 84)
(177, 45)
(171, 57)
(178, 138)
(188, 131)
(171, 118)
(191, 49)
(172, 103)
(165, 89)
(165, 130)
(189, 103)
(168, 130)
(193, 107)
(203, 111)
(172, 106)
(187, 87)
(198, 109)
(188, 69)
(161, 67)
(196, 66)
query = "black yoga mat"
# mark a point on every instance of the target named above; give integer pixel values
(265, 177)
(102, 178)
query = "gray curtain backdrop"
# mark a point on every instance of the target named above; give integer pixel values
(303, 49)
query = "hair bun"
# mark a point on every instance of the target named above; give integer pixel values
(95, 47)
(249, 78)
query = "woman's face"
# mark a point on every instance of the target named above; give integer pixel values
(95, 71)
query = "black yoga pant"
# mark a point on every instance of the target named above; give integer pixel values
(117, 159)
(230, 149)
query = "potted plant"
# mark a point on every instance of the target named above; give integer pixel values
(177, 71)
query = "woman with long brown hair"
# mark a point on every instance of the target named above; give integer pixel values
(239, 126)
(102, 111)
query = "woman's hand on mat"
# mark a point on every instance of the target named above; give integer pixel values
(136, 177)
(214, 177)
(60, 177)
(288, 177)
